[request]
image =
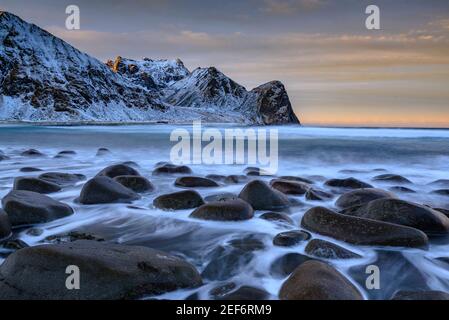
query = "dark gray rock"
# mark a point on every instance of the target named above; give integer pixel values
(328, 250)
(15, 245)
(221, 197)
(289, 187)
(216, 177)
(315, 280)
(314, 194)
(246, 293)
(35, 185)
(297, 179)
(391, 178)
(235, 179)
(137, 184)
(30, 169)
(349, 183)
(402, 189)
(195, 182)
(5, 225)
(440, 183)
(62, 179)
(67, 153)
(27, 207)
(32, 153)
(420, 295)
(188, 199)
(118, 170)
(441, 192)
(102, 152)
(362, 196)
(102, 189)
(168, 169)
(291, 238)
(261, 197)
(277, 217)
(108, 271)
(228, 210)
(361, 231)
(286, 264)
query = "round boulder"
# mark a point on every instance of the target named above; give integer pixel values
(361, 196)
(32, 153)
(168, 168)
(228, 210)
(195, 182)
(391, 178)
(118, 170)
(137, 184)
(62, 179)
(5, 225)
(291, 238)
(290, 187)
(35, 185)
(277, 217)
(261, 197)
(328, 250)
(182, 200)
(102, 189)
(349, 183)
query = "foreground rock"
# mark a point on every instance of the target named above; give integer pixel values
(32, 153)
(315, 194)
(30, 169)
(137, 184)
(291, 238)
(109, 271)
(360, 230)
(229, 210)
(182, 200)
(314, 280)
(102, 189)
(286, 264)
(362, 196)
(290, 187)
(349, 183)
(35, 185)
(27, 207)
(118, 170)
(167, 169)
(391, 178)
(405, 213)
(421, 295)
(261, 197)
(328, 250)
(195, 182)
(5, 225)
(62, 179)
(277, 217)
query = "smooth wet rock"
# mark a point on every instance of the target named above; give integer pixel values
(328, 250)
(5, 225)
(102, 152)
(3, 157)
(290, 238)
(443, 211)
(221, 197)
(188, 199)
(67, 153)
(222, 290)
(27, 207)
(137, 184)
(108, 272)
(195, 182)
(289, 187)
(15, 244)
(391, 178)
(349, 183)
(405, 213)
(440, 183)
(286, 264)
(402, 189)
(248, 243)
(315, 280)
(229, 210)
(361, 231)
(168, 169)
(102, 189)
(297, 179)
(421, 295)
(235, 179)
(256, 172)
(314, 194)
(32, 153)
(261, 197)
(35, 232)
(441, 192)
(216, 177)
(362, 196)
(30, 169)
(246, 293)
(35, 185)
(62, 179)
(118, 170)
(277, 217)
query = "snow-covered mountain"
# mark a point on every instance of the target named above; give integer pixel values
(44, 79)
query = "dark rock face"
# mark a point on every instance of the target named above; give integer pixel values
(171, 169)
(195, 182)
(349, 183)
(32, 153)
(421, 295)
(391, 178)
(402, 189)
(102, 189)
(362, 196)
(441, 192)
(137, 184)
(229, 210)
(67, 153)
(405, 213)
(221, 197)
(314, 194)
(118, 170)
(5, 225)
(235, 179)
(261, 197)
(286, 264)
(290, 187)
(62, 179)
(102, 152)
(188, 199)
(246, 293)
(328, 250)
(315, 280)
(290, 238)
(277, 217)
(360, 230)
(26, 208)
(297, 179)
(444, 183)
(108, 271)
(30, 169)
(35, 185)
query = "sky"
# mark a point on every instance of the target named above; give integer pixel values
(335, 70)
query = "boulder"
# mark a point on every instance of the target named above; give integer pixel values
(167, 169)
(391, 178)
(328, 250)
(314, 194)
(291, 238)
(402, 189)
(118, 170)
(297, 179)
(361, 231)
(235, 179)
(315, 280)
(286, 264)
(221, 197)
(188, 199)
(102, 189)
(27, 207)
(349, 183)
(195, 182)
(261, 197)
(405, 213)
(441, 192)
(62, 179)
(137, 184)
(277, 217)
(290, 187)
(108, 272)
(30, 169)
(102, 152)
(246, 293)
(362, 196)
(35, 185)
(32, 153)
(5, 225)
(216, 177)
(228, 210)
